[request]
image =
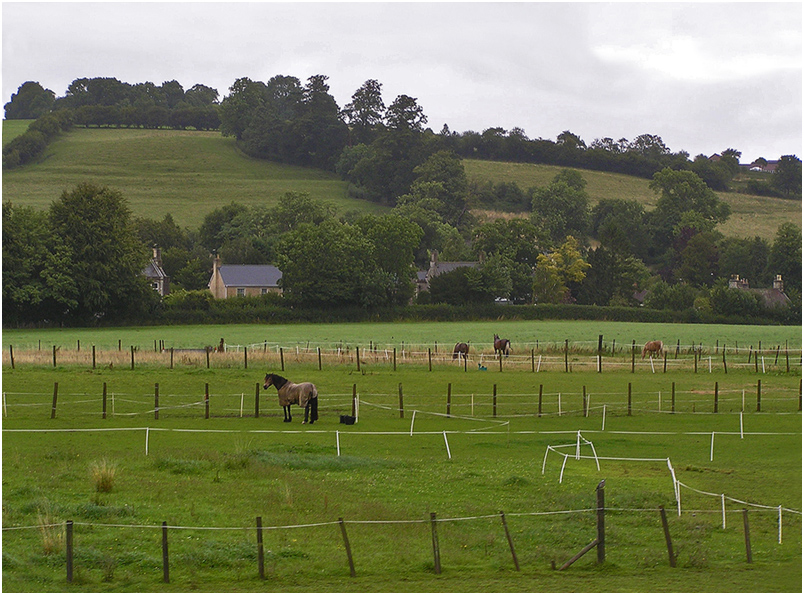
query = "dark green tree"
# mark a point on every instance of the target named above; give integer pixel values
(561, 209)
(107, 258)
(785, 255)
(37, 284)
(365, 113)
(29, 102)
(787, 177)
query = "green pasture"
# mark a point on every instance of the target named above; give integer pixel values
(184, 173)
(523, 334)
(209, 478)
(13, 129)
(751, 215)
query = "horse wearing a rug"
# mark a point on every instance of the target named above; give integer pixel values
(304, 395)
(461, 349)
(652, 348)
(501, 346)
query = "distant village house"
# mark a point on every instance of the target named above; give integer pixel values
(156, 275)
(437, 268)
(773, 297)
(240, 280)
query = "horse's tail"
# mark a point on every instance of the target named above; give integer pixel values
(314, 405)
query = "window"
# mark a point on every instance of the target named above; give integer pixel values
(241, 291)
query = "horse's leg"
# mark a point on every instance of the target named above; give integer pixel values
(288, 416)
(313, 409)
(306, 412)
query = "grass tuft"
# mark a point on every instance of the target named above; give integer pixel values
(103, 473)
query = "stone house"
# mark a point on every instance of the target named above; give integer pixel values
(233, 280)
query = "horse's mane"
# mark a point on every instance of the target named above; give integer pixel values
(279, 381)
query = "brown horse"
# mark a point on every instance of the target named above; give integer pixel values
(461, 349)
(304, 395)
(502, 346)
(652, 348)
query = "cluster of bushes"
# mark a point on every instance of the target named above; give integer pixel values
(32, 143)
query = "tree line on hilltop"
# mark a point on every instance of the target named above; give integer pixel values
(374, 146)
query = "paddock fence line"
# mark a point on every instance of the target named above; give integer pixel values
(536, 356)
(599, 512)
(109, 402)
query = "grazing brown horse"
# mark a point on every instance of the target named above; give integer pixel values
(461, 349)
(652, 347)
(304, 395)
(502, 346)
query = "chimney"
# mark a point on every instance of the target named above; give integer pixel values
(157, 255)
(778, 284)
(734, 281)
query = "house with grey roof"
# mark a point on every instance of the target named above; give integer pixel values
(156, 275)
(233, 280)
(437, 268)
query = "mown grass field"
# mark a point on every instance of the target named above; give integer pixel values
(210, 478)
(188, 174)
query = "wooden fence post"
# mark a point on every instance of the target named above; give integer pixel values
(165, 563)
(394, 359)
(93, 357)
(629, 398)
(510, 540)
(664, 369)
(171, 358)
(585, 408)
(436, 551)
(715, 397)
(11, 354)
(260, 549)
(245, 357)
(69, 550)
(566, 355)
(633, 355)
(282, 359)
(449, 399)
(667, 539)
(401, 405)
(319, 358)
(354, 400)
(541, 388)
(257, 401)
(206, 350)
(55, 397)
(206, 400)
(429, 360)
(156, 400)
(673, 398)
(747, 537)
(132, 357)
(601, 524)
(725, 368)
(759, 395)
(494, 402)
(357, 357)
(348, 548)
(54, 356)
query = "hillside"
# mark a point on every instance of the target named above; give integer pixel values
(188, 174)
(751, 215)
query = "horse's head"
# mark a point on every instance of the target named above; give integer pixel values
(269, 380)
(274, 380)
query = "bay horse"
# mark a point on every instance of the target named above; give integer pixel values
(652, 347)
(304, 394)
(502, 346)
(461, 349)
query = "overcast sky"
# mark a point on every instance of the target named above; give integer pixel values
(704, 77)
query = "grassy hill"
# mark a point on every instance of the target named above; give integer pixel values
(751, 215)
(189, 174)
